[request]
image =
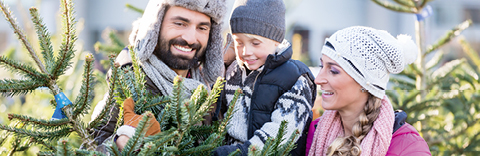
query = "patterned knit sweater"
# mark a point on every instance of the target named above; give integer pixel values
(293, 106)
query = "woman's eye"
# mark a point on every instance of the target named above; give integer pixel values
(334, 72)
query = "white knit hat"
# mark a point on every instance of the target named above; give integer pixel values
(369, 55)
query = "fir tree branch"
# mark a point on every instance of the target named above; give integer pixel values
(44, 38)
(211, 99)
(110, 101)
(67, 50)
(64, 148)
(290, 144)
(116, 40)
(136, 9)
(394, 7)
(406, 3)
(197, 150)
(44, 124)
(147, 149)
(468, 49)
(448, 36)
(18, 31)
(230, 112)
(15, 87)
(82, 103)
(111, 49)
(137, 138)
(177, 95)
(50, 135)
(39, 141)
(162, 138)
(22, 69)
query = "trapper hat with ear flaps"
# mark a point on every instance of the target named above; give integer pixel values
(145, 31)
(369, 55)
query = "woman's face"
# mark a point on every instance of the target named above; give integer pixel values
(339, 91)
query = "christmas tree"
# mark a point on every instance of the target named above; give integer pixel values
(179, 116)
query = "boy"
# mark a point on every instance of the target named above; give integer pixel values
(275, 87)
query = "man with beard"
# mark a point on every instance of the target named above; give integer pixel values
(173, 37)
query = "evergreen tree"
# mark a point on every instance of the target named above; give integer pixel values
(437, 96)
(179, 116)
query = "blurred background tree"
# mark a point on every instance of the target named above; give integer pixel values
(440, 96)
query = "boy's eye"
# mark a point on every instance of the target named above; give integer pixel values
(256, 43)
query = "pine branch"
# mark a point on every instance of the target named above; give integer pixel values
(137, 138)
(448, 36)
(162, 138)
(110, 101)
(393, 7)
(406, 3)
(472, 54)
(197, 150)
(67, 50)
(22, 69)
(111, 49)
(290, 144)
(280, 134)
(16, 87)
(211, 99)
(230, 112)
(64, 148)
(39, 123)
(18, 31)
(40, 141)
(50, 135)
(139, 74)
(435, 60)
(82, 103)
(147, 150)
(44, 38)
(116, 40)
(131, 7)
(112, 148)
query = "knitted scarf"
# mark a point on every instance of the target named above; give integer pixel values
(162, 76)
(375, 143)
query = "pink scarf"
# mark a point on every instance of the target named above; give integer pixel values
(376, 142)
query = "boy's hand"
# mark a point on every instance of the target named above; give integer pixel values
(132, 119)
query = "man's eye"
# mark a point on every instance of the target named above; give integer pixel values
(179, 24)
(205, 28)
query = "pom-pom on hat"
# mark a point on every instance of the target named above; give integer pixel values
(369, 55)
(264, 18)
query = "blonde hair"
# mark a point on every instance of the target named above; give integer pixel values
(350, 145)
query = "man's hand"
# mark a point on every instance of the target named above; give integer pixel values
(132, 119)
(122, 141)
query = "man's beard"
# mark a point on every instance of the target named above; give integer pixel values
(163, 52)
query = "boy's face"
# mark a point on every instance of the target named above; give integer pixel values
(253, 50)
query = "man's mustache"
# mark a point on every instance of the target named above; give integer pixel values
(182, 42)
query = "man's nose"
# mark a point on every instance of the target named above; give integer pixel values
(190, 35)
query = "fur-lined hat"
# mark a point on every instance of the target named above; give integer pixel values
(145, 31)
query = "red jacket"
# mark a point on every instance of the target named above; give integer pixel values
(407, 141)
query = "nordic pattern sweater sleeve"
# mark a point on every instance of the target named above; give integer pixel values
(292, 106)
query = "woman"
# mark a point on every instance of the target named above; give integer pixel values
(358, 117)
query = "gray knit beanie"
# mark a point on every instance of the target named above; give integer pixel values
(259, 17)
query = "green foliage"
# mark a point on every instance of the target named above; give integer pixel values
(277, 146)
(439, 98)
